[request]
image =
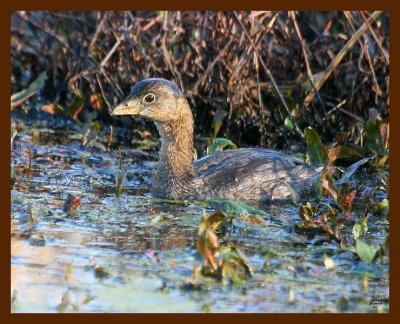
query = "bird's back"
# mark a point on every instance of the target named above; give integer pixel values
(252, 174)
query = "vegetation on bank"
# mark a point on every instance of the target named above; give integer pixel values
(249, 76)
(269, 79)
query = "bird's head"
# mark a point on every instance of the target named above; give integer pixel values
(157, 99)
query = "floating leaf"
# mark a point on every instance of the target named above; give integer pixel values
(120, 179)
(236, 207)
(317, 226)
(100, 272)
(219, 144)
(253, 220)
(316, 151)
(292, 295)
(72, 203)
(87, 299)
(342, 305)
(366, 283)
(162, 218)
(19, 97)
(68, 273)
(234, 265)
(329, 264)
(65, 301)
(350, 170)
(366, 252)
(306, 211)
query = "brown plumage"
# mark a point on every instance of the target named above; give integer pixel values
(245, 174)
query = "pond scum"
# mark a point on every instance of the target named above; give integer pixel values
(86, 236)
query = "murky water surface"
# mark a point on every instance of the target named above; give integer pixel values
(136, 253)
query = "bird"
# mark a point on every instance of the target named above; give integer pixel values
(246, 174)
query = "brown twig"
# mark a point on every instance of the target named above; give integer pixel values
(296, 127)
(209, 68)
(338, 58)
(384, 52)
(305, 50)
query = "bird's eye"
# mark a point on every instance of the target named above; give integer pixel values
(149, 98)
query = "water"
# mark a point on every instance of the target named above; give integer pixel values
(136, 253)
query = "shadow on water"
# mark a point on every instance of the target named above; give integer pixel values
(136, 253)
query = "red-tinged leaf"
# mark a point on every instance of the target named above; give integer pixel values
(53, 109)
(382, 160)
(343, 152)
(340, 137)
(346, 202)
(76, 112)
(384, 128)
(96, 101)
(304, 213)
(333, 154)
(120, 179)
(329, 186)
(76, 106)
(72, 203)
(318, 224)
(344, 218)
(207, 241)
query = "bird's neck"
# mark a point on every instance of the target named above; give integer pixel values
(175, 176)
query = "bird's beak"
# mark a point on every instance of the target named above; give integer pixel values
(127, 107)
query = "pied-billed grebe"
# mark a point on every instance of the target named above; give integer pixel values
(244, 174)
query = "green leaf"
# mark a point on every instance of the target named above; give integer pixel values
(217, 121)
(234, 265)
(76, 106)
(236, 207)
(317, 186)
(14, 131)
(91, 134)
(307, 86)
(365, 251)
(360, 228)
(219, 144)
(329, 264)
(373, 140)
(289, 123)
(315, 149)
(381, 208)
(19, 97)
